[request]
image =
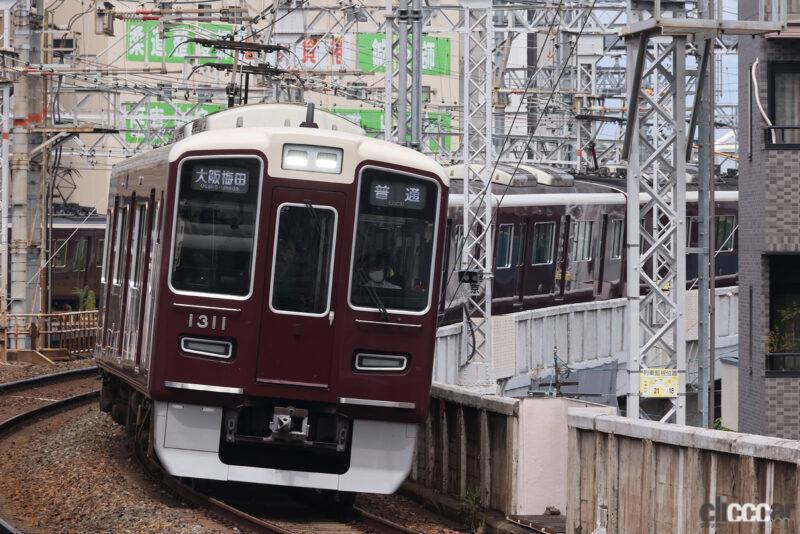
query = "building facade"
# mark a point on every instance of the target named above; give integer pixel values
(769, 226)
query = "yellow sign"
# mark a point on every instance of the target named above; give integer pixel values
(658, 383)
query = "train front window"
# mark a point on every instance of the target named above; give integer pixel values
(303, 259)
(395, 237)
(215, 226)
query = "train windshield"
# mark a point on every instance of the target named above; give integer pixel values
(395, 236)
(215, 226)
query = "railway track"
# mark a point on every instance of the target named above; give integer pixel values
(47, 395)
(293, 519)
(33, 398)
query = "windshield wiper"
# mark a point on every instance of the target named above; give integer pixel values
(376, 299)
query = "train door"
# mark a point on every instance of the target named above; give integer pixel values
(297, 330)
(602, 258)
(135, 282)
(505, 267)
(540, 261)
(116, 276)
(153, 260)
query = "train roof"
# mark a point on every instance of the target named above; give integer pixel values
(267, 115)
(270, 141)
(523, 188)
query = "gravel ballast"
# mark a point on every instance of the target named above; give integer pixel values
(74, 472)
(12, 371)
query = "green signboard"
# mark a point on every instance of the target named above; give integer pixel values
(161, 117)
(372, 121)
(142, 42)
(372, 54)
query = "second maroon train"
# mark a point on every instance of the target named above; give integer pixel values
(559, 238)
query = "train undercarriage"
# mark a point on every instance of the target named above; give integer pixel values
(265, 442)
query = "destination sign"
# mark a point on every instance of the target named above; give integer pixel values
(220, 179)
(397, 194)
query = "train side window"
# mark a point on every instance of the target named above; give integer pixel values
(109, 238)
(517, 241)
(691, 232)
(543, 240)
(100, 253)
(616, 239)
(119, 246)
(725, 227)
(505, 237)
(60, 253)
(79, 261)
(581, 247)
(139, 228)
(216, 217)
(303, 259)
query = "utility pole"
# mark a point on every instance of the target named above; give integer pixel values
(703, 116)
(5, 175)
(25, 174)
(477, 42)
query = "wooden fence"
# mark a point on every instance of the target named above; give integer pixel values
(72, 332)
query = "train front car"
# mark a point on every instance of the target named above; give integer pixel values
(294, 318)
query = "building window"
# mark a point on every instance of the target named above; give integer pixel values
(784, 90)
(543, 237)
(504, 246)
(581, 247)
(616, 239)
(783, 340)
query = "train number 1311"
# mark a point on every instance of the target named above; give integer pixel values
(207, 321)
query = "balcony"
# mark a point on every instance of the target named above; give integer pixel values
(782, 137)
(786, 11)
(783, 364)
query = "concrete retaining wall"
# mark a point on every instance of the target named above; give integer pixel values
(642, 476)
(507, 454)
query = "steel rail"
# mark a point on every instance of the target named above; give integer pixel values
(240, 518)
(11, 424)
(46, 379)
(180, 489)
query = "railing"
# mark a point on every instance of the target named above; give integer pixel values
(73, 332)
(586, 334)
(778, 10)
(783, 363)
(782, 136)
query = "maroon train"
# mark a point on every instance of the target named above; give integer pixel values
(270, 301)
(76, 252)
(559, 238)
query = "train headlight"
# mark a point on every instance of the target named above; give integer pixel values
(312, 158)
(380, 362)
(207, 347)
